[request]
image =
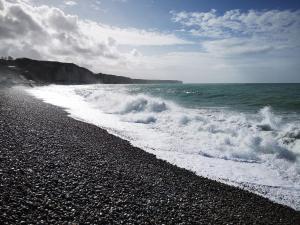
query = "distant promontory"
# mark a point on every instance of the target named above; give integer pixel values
(50, 72)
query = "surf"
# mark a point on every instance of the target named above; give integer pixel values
(255, 150)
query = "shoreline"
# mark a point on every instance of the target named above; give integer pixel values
(69, 171)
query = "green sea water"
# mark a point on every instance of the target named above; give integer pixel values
(283, 98)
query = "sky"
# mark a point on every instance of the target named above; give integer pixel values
(196, 41)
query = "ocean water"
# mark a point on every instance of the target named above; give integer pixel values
(246, 135)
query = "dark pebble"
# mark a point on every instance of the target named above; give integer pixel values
(56, 170)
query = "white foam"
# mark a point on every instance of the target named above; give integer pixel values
(255, 151)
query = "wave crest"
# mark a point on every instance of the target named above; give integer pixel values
(141, 104)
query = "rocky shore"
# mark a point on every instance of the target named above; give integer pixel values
(56, 170)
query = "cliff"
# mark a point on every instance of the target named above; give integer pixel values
(48, 72)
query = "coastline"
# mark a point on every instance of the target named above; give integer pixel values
(57, 169)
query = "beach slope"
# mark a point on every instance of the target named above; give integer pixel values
(56, 170)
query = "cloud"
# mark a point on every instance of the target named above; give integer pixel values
(45, 32)
(201, 67)
(236, 32)
(235, 22)
(120, 1)
(131, 36)
(237, 46)
(70, 3)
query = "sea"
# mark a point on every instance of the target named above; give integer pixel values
(245, 135)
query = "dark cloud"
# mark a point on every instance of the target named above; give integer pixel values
(1, 5)
(61, 22)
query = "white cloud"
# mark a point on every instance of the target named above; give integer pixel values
(190, 66)
(70, 3)
(49, 33)
(236, 32)
(207, 68)
(130, 36)
(237, 46)
(120, 0)
(235, 22)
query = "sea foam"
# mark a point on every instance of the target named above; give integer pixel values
(255, 151)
